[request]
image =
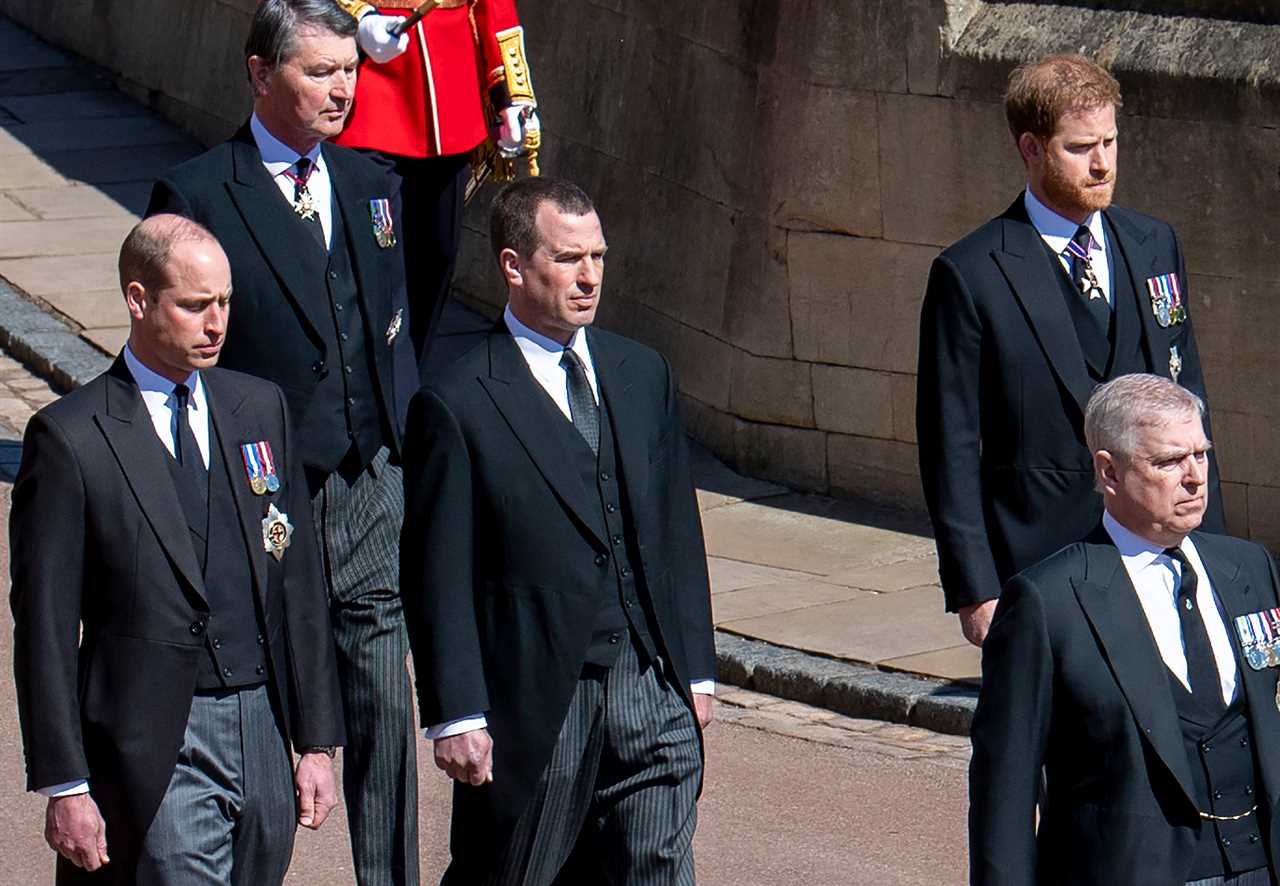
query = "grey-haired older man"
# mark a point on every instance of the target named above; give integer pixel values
(315, 261)
(1137, 669)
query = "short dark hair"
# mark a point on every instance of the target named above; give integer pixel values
(274, 29)
(513, 214)
(1041, 93)
(144, 255)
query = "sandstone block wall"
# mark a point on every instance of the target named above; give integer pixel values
(775, 177)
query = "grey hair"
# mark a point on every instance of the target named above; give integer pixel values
(1123, 406)
(274, 30)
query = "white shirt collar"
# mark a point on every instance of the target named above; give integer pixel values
(1058, 231)
(537, 346)
(276, 155)
(153, 383)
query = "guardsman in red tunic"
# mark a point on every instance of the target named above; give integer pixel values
(433, 96)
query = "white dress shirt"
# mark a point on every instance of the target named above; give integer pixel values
(1155, 579)
(543, 357)
(1058, 231)
(157, 395)
(279, 158)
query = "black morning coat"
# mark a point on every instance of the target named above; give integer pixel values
(279, 319)
(1072, 681)
(1001, 394)
(505, 556)
(100, 539)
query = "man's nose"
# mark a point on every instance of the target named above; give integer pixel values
(344, 85)
(1197, 471)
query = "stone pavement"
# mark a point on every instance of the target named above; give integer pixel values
(827, 602)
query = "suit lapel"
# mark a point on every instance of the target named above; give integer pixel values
(1029, 270)
(274, 225)
(531, 415)
(352, 194)
(1131, 240)
(127, 426)
(229, 427)
(1110, 603)
(629, 432)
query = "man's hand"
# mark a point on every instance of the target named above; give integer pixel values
(74, 828)
(466, 757)
(513, 123)
(704, 705)
(313, 780)
(375, 38)
(975, 621)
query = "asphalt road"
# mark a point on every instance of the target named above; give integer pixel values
(790, 799)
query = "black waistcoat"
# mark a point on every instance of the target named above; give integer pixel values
(233, 636)
(344, 422)
(1119, 350)
(1219, 747)
(626, 606)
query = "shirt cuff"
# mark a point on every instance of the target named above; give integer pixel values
(456, 727)
(703, 687)
(66, 789)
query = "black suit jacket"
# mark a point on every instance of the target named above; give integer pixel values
(99, 539)
(276, 318)
(1001, 393)
(503, 554)
(1072, 680)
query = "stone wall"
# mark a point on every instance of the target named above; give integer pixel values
(776, 177)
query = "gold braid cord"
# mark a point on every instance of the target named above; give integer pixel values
(355, 8)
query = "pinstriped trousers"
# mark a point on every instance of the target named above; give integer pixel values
(359, 530)
(1259, 877)
(616, 804)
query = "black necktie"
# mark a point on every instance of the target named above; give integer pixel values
(303, 203)
(1086, 282)
(1202, 667)
(582, 405)
(186, 452)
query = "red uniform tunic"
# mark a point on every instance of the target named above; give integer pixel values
(428, 102)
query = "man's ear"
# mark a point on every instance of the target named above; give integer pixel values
(1106, 471)
(259, 73)
(135, 298)
(511, 266)
(1031, 149)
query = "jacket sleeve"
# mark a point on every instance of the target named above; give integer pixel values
(315, 698)
(436, 572)
(165, 197)
(950, 435)
(47, 550)
(1010, 737)
(502, 47)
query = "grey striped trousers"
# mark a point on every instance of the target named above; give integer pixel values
(616, 804)
(359, 531)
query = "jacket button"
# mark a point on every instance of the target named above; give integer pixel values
(333, 275)
(1226, 842)
(1253, 838)
(617, 539)
(197, 628)
(259, 670)
(1217, 795)
(630, 603)
(613, 639)
(601, 559)
(1248, 791)
(226, 672)
(261, 640)
(1206, 747)
(317, 367)
(1244, 742)
(604, 477)
(610, 508)
(626, 572)
(217, 644)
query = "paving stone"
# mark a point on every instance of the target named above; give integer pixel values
(47, 276)
(18, 54)
(897, 576)
(734, 575)
(11, 211)
(43, 81)
(74, 135)
(859, 630)
(23, 239)
(144, 163)
(26, 171)
(91, 309)
(960, 662)
(72, 106)
(71, 202)
(731, 607)
(795, 709)
(109, 341)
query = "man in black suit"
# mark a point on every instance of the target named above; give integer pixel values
(555, 577)
(315, 260)
(1021, 320)
(171, 628)
(1137, 669)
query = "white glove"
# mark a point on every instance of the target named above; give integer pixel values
(513, 123)
(377, 42)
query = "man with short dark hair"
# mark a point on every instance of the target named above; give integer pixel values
(171, 635)
(315, 259)
(1137, 670)
(1022, 319)
(555, 579)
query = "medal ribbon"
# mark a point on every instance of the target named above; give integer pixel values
(250, 456)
